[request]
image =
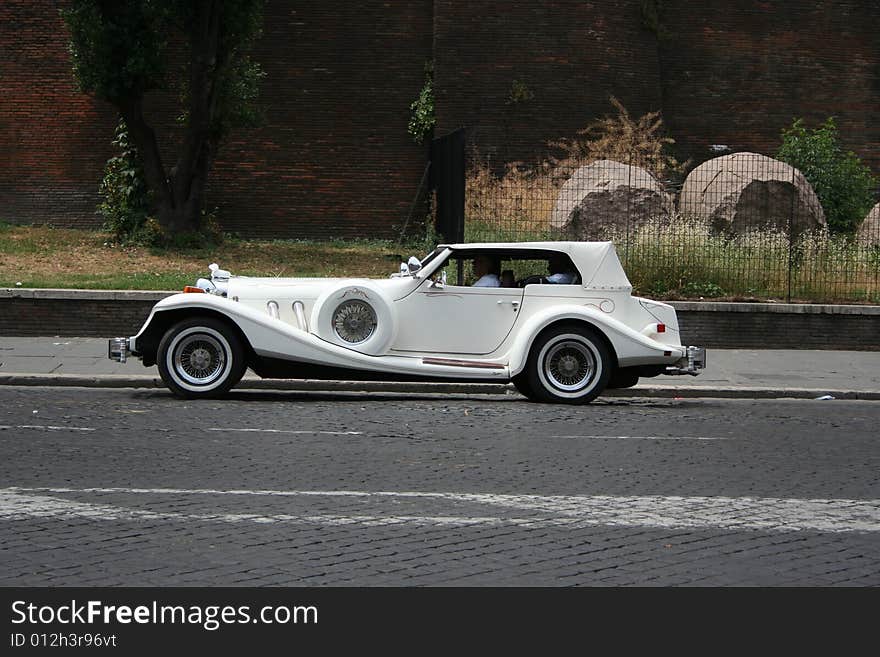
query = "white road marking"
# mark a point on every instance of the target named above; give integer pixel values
(290, 431)
(315, 432)
(45, 427)
(310, 432)
(665, 512)
(648, 437)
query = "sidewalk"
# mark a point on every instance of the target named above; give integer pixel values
(730, 373)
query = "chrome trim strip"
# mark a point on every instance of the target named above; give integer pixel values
(463, 363)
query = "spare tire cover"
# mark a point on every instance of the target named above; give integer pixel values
(357, 316)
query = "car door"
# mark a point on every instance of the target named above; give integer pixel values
(456, 319)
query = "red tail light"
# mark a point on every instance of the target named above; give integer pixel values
(661, 328)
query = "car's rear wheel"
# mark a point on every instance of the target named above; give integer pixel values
(624, 377)
(201, 357)
(568, 364)
(521, 381)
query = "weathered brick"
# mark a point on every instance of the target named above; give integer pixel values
(334, 157)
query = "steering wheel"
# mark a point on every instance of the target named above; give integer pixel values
(531, 280)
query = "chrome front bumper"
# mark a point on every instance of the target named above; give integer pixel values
(691, 363)
(118, 349)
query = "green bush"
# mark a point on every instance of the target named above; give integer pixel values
(421, 122)
(844, 185)
(125, 200)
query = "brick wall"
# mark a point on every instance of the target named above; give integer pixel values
(72, 317)
(570, 55)
(722, 72)
(335, 159)
(762, 330)
(53, 140)
(736, 73)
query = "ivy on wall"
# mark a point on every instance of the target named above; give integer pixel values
(421, 122)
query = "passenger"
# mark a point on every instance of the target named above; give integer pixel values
(486, 268)
(560, 270)
(507, 279)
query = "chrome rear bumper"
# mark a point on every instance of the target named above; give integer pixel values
(118, 349)
(693, 361)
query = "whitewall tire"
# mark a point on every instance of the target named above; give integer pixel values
(201, 357)
(568, 364)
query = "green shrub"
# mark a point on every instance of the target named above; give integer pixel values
(421, 122)
(844, 185)
(702, 289)
(125, 200)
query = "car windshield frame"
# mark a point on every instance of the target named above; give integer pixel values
(433, 254)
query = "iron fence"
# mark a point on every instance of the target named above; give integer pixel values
(738, 226)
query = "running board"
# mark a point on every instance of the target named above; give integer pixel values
(463, 363)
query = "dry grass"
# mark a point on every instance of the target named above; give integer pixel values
(522, 199)
(675, 259)
(620, 138)
(683, 258)
(54, 257)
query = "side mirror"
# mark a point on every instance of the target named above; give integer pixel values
(404, 269)
(218, 274)
(413, 264)
(439, 283)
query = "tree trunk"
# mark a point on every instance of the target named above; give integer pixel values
(189, 177)
(177, 198)
(178, 195)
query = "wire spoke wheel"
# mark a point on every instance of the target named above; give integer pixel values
(568, 364)
(199, 358)
(354, 321)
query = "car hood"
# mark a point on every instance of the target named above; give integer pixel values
(246, 287)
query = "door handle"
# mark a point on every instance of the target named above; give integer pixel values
(514, 304)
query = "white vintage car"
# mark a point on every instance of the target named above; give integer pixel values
(561, 336)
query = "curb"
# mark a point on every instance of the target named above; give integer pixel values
(313, 385)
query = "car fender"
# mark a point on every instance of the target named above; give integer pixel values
(630, 347)
(249, 320)
(266, 335)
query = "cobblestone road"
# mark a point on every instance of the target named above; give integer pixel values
(124, 487)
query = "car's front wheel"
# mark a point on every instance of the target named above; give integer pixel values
(201, 357)
(568, 364)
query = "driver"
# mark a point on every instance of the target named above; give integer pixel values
(487, 270)
(560, 270)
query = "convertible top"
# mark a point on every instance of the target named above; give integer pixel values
(597, 262)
